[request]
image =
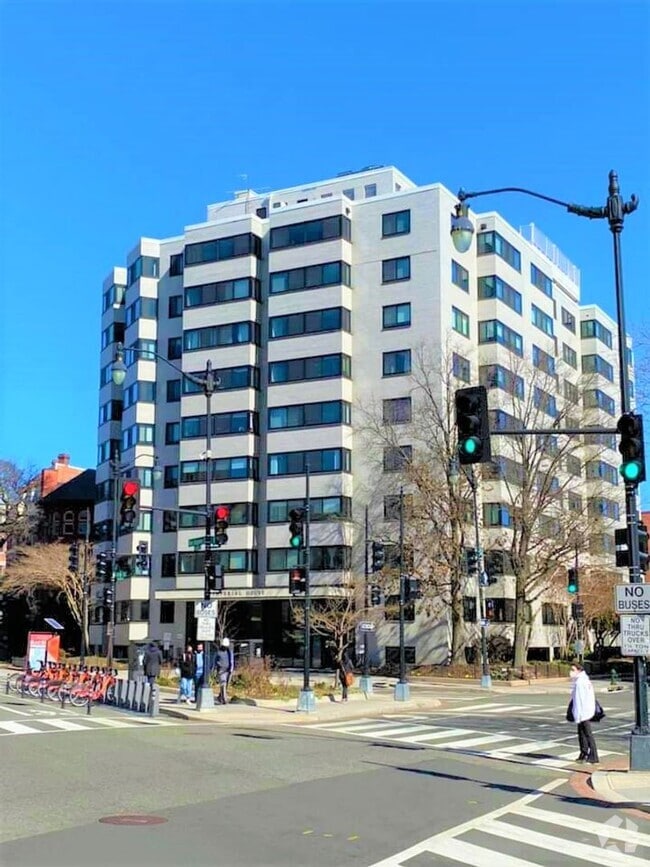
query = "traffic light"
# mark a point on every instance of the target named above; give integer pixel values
(623, 551)
(142, 557)
(101, 567)
(471, 558)
(473, 425)
(296, 530)
(221, 522)
(73, 557)
(578, 611)
(486, 580)
(643, 547)
(378, 557)
(375, 595)
(108, 596)
(213, 578)
(630, 427)
(129, 500)
(297, 580)
(489, 609)
(572, 583)
(412, 589)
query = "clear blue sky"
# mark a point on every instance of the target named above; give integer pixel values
(127, 119)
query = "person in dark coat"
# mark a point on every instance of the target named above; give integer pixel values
(223, 668)
(186, 670)
(153, 660)
(344, 670)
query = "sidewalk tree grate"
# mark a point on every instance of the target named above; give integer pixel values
(133, 820)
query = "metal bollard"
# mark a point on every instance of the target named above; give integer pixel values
(22, 686)
(89, 706)
(42, 692)
(154, 699)
(7, 686)
(62, 699)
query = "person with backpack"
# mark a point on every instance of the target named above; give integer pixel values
(153, 660)
(345, 674)
(582, 710)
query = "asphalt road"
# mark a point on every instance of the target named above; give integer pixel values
(244, 797)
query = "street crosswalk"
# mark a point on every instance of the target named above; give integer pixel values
(48, 725)
(419, 730)
(522, 835)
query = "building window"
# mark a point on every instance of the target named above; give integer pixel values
(602, 470)
(113, 334)
(493, 331)
(222, 468)
(396, 363)
(171, 476)
(113, 297)
(396, 315)
(392, 509)
(173, 390)
(167, 611)
(172, 433)
(573, 466)
(174, 348)
(500, 610)
(233, 334)
(168, 562)
(311, 232)
(321, 509)
(137, 434)
(544, 402)
(461, 367)
(496, 376)
(231, 379)
(393, 270)
(491, 242)
(397, 410)
(349, 194)
(176, 265)
(541, 320)
(571, 392)
(326, 558)
(223, 424)
(496, 515)
(320, 461)
(370, 190)
(543, 361)
(568, 320)
(144, 266)
(220, 293)
(190, 563)
(311, 322)
(593, 328)
(311, 277)
(397, 223)
(601, 507)
(460, 321)
(469, 609)
(111, 411)
(397, 458)
(459, 276)
(316, 367)
(310, 414)
(538, 278)
(223, 248)
(144, 350)
(574, 502)
(142, 308)
(597, 364)
(570, 356)
(594, 398)
(495, 287)
(175, 306)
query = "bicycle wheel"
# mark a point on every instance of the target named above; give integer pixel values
(34, 687)
(54, 691)
(13, 681)
(78, 697)
(110, 695)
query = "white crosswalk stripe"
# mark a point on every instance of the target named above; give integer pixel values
(580, 840)
(498, 745)
(42, 725)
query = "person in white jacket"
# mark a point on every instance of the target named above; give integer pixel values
(583, 703)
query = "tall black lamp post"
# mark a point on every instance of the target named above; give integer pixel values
(208, 383)
(614, 211)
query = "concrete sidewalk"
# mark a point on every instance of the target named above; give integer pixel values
(623, 787)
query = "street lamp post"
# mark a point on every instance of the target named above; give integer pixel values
(365, 681)
(614, 211)
(402, 686)
(208, 383)
(306, 699)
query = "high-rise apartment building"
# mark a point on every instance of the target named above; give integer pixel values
(310, 302)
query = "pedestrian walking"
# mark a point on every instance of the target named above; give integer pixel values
(198, 670)
(345, 674)
(223, 668)
(152, 661)
(583, 709)
(186, 669)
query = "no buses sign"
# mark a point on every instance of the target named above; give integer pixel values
(633, 598)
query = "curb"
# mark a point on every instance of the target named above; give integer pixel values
(582, 782)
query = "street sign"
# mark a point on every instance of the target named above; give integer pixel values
(635, 635)
(367, 626)
(197, 542)
(205, 608)
(633, 598)
(206, 628)
(579, 646)
(485, 623)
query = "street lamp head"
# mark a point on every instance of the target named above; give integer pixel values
(157, 471)
(118, 371)
(462, 229)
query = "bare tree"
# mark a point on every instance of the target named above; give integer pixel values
(225, 619)
(19, 514)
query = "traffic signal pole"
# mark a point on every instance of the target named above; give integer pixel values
(402, 686)
(365, 682)
(110, 628)
(205, 697)
(306, 700)
(486, 677)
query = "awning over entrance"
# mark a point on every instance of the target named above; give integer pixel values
(249, 593)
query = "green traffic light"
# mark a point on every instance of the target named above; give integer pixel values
(631, 471)
(295, 541)
(572, 588)
(470, 445)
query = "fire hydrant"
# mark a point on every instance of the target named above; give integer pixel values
(614, 680)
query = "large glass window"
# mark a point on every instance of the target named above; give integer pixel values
(544, 401)
(493, 331)
(175, 264)
(461, 367)
(222, 468)
(230, 379)
(393, 270)
(311, 277)
(541, 320)
(142, 308)
(459, 276)
(570, 356)
(137, 434)
(316, 367)
(460, 321)
(174, 348)
(191, 563)
(113, 334)
(495, 287)
(497, 376)
(594, 398)
(597, 364)
(323, 558)
(320, 461)
(223, 423)
(140, 391)
(543, 361)
(175, 306)
(221, 335)
(538, 278)
(396, 315)
(397, 458)
(397, 410)
(309, 414)
(113, 297)
(496, 515)
(396, 363)
(223, 248)
(397, 223)
(144, 266)
(492, 242)
(568, 320)
(311, 322)
(219, 293)
(321, 509)
(310, 232)
(593, 328)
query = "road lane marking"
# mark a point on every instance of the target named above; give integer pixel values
(65, 725)
(16, 728)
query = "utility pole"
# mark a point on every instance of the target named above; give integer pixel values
(85, 592)
(306, 701)
(402, 686)
(365, 681)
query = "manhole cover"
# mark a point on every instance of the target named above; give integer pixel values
(132, 820)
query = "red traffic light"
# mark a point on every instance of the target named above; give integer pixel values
(130, 488)
(222, 513)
